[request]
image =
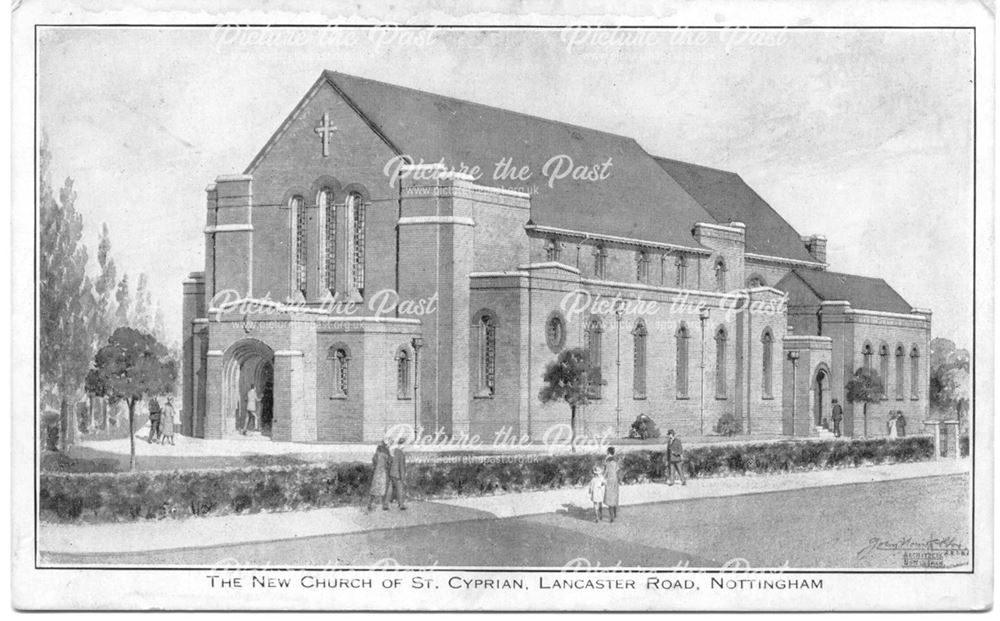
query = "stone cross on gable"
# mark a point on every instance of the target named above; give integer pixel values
(324, 131)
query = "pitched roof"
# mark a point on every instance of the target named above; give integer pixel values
(729, 199)
(863, 292)
(638, 200)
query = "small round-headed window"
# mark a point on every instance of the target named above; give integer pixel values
(555, 332)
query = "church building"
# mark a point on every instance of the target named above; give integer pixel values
(396, 257)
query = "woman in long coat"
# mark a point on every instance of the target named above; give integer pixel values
(612, 476)
(380, 476)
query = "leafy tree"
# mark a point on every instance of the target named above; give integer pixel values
(950, 380)
(142, 310)
(65, 296)
(570, 379)
(865, 387)
(123, 297)
(132, 366)
(104, 289)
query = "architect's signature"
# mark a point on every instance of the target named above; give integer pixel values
(946, 546)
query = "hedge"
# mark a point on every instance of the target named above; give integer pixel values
(103, 497)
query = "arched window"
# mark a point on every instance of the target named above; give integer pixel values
(300, 254)
(340, 360)
(883, 359)
(767, 355)
(900, 361)
(328, 213)
(682, 361)
(755, 281)
(600, 261)
(642, 266)
(866, 356)
(486, 344)
(403, 374)
(594, 333)
(915, 373)
(639, 360)
(720, 274)
(682, 267)
(720, 363)
(356, 242)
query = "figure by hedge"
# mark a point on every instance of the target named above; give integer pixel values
(865, 387)
(570, 379)
(131, 367)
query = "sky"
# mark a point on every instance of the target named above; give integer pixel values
(864, 136)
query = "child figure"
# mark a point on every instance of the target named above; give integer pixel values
(597, 488)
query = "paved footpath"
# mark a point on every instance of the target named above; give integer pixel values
(260, 527)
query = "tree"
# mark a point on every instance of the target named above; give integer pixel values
(865, 387)
(104, 289)
(955, 389)
(142, 310)
(950, 381)
(65, 296)
(132, 366)
(570, 379)
(123, 297)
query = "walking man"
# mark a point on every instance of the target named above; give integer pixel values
(838, 415)
(251, 411)
(397, 477)
(675, 456)
(154, 420)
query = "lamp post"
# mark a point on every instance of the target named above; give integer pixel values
(793, 356)
(417, 342)
(619, 311)
(703, 318)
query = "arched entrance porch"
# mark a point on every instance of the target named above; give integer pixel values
(248, 363)
(821, 397)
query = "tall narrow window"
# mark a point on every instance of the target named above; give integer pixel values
(883, 365)
(767, 354)
(866, 355)
(403, 374)
(299, 244)
(900, 361)
(341, 363)
(642, 266)
(682, 267)
(915, 373)
(553, 249)
(682, 361)
(594, 333)
(328, 211)
(600, 261)
(486, 328)
(720, 275)
(356, 242)
(720, 364)
(639, 360)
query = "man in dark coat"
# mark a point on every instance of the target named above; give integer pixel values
(838, 415)
(397, 477)
(900, 424)
(154, 420)
(675, 456)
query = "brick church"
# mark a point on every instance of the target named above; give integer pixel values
(392, 256)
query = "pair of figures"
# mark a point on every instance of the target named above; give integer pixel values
(603, 489)
(388, 476)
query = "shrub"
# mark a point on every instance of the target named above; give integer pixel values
(70, 497)
(729, 425)
(643, 428)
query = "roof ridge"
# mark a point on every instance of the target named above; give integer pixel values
(331, 73)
